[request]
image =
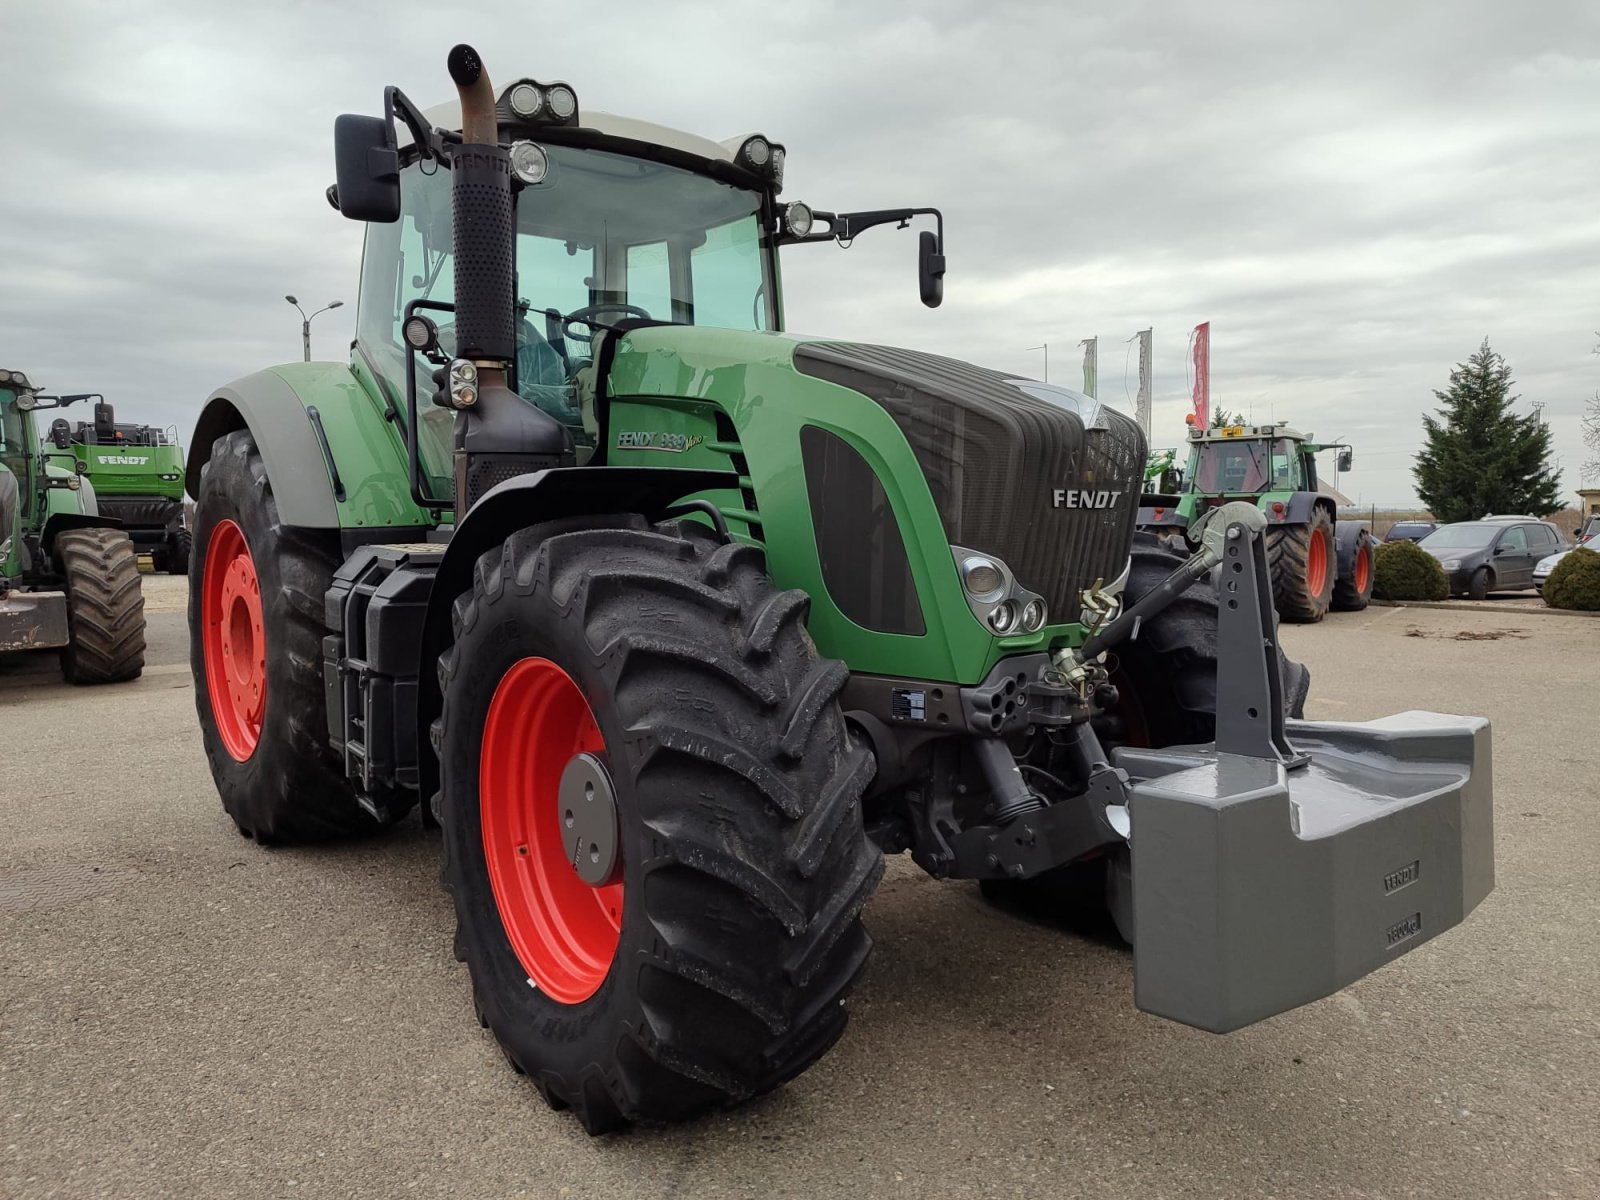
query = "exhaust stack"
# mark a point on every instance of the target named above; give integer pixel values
(500, 435)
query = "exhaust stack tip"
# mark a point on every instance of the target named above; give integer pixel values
(465, 65)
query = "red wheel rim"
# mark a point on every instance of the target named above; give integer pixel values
(1317, 562)
(1363, 568)
(564, 931)
(234, 640)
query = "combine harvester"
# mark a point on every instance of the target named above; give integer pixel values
(677, 623)
(137, 472)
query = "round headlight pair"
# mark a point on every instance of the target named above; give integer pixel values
(1004, 618)
(528, 100)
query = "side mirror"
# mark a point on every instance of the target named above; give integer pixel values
(930, 270)
(1346, 457)
(367, 166)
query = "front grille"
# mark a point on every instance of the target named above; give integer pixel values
(993, 456)
(139, 513)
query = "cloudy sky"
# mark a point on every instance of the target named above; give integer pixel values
(1354, 195)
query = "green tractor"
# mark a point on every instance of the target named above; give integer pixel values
(137, 472)
(677, 623)
(69, 576)
(1317, 562)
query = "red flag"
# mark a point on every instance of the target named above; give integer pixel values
(1202, 374)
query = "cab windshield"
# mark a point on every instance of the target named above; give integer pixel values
(1245, 465)
(605, 236)
(1470, 536)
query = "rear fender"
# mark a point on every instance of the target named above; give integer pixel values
(1297, 507)
(517, 504)
(334, 457)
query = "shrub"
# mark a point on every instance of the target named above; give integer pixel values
(1405, 571)
(1575, 583)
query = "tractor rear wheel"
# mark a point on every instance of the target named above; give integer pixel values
(651, 820)
(105, 606)
(1352, 592)
(1167, 683)
(256, 591)
(1303, 566)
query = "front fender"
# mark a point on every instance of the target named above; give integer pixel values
(359, 480)
(543, 496)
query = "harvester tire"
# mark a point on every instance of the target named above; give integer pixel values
(263, 584)
(1352, 592)
(1302, 561)
(105, 606)
(711, 963)
(1167, 681)
(180, 545)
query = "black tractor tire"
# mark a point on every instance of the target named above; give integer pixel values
(1348, 596)
(180, 547)
(744, 862)
(105, 606)
(1167, 681)
(291, 787)
(1289, 554)
(1478, 585)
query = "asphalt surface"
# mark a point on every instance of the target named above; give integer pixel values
(185, 1013)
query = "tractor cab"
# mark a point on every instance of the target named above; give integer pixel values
(620, 224)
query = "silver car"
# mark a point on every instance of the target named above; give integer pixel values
(1542, 569)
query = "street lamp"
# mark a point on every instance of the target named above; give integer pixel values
(1046, 349)
(305, 322)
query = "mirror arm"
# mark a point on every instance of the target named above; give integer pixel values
(843, 227)
(397, 105)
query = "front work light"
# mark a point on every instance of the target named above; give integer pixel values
(528, 162)
(421, 334)
(797, 219)
(1002, 617)
(563, 102)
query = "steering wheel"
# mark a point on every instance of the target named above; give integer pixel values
(583, 315)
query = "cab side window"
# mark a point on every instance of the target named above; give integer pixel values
(1515, 538)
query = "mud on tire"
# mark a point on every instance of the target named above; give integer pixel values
(744, 862)
(105, 606)
(291, 787)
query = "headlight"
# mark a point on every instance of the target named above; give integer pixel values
(1033, 616)
(757, 151)
(528, 162)
(563, 101)
(82, 468)
(1451, 564)
(1003, 616)
(982, 577)
(463, 383)
(797, 219)
(420, 333)
(525, 100)
(74, 483)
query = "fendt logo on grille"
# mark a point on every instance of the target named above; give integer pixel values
(120, 460)
(1084, 498)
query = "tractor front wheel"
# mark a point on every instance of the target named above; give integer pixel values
(105, 606)
(1303, 566)
(651, 821)
(180, 545)
(256, 591)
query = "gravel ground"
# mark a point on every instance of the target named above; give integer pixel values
(184, 1013)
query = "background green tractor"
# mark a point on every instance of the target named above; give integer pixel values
(69, 577)
(137, 472)
(1317, 561)
(676, 623)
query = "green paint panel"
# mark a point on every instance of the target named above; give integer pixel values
(674, 381)
(368, 449)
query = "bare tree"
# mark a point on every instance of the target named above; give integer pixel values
(1591, 433)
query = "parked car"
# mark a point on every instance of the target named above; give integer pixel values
(1410, 531)
(1497, 554)
(1542, 569)
(1590, 526)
